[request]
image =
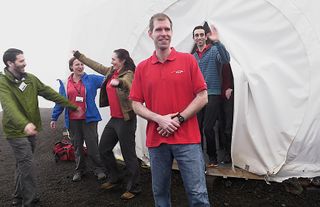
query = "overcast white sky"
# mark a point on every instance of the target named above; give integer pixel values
(42, 29)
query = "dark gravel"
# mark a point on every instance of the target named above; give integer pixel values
(57, 189)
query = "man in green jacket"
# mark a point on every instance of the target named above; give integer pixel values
(19, 93)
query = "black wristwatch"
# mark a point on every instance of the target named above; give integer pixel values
(180, 118)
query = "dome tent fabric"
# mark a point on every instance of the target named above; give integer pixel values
(273, 46)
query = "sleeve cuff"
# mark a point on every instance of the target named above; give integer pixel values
(77, 54)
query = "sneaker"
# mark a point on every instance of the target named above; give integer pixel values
(127, 195)
(108, 185)
(212, 163)
(76, 177)
(101, 176)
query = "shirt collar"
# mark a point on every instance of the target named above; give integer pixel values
(12, 78)
(205, 49)
(71, 75)
(171, 57)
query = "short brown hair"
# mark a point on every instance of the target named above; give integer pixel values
(199, 27)
(71, 63)
(160, 17)
(11, 55)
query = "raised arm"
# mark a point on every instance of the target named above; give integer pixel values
(223, 55)
(99, 68)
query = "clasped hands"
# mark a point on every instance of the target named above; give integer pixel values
(167, 124)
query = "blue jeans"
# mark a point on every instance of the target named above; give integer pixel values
(191, 165)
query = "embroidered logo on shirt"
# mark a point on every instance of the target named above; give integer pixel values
(177, 71)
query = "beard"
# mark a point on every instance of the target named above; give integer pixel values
(20, 69)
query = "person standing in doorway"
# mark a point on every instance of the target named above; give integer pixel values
(210, 58)
(226, 112)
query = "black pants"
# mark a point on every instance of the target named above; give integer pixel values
(123, 131)
(225, 123)
(207, 118)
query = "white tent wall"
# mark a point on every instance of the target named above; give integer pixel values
(274, 47)
(273, 88)
(303, 159)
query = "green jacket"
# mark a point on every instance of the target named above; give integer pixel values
(125, 80)
(20, 107)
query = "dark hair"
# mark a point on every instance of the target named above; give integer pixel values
(11, 55)
(159, 17)
(71, 63)
(123, 54)
(198, 27)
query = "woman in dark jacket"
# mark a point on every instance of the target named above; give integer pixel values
(122, 125)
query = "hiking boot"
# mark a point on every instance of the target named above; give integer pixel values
(101, 176)
(76, 177)
(108, 185)
(127, 195)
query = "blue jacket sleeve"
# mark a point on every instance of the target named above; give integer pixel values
(98, 80)
(58, 109)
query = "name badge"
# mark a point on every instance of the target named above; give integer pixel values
(79, 99)
(22, 86)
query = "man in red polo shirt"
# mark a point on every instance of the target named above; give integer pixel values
(172, 87)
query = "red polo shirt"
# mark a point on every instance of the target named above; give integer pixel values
(115, 108)
(166, 88)
(76, 90)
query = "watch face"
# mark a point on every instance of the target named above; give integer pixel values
(181, 119)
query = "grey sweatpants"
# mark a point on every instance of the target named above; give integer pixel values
(25, 185)
(81, 132)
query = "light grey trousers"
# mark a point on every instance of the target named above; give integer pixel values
(25, 185)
